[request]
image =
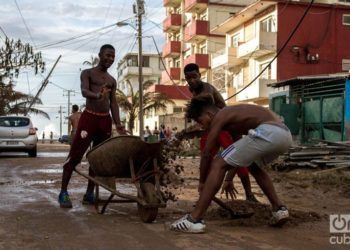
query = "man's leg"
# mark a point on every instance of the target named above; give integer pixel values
(243, 174)
(211, 187)
(266, 185)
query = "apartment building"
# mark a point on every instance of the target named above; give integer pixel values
(152, 68)
(254, 35)
(188, 37)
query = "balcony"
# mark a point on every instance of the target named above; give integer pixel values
(196, 6)
(174, 73)
(197, 31)
(265, 43)
(202, 60)
(172, 23)
(172, 49)
(134, 70)
(255, 92)
(171, 3)
(226, 58)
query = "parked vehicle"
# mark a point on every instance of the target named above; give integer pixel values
(64, 139)
(18, 134)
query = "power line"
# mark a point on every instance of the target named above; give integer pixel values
(25, 24)
(278, 52)
(2, 30)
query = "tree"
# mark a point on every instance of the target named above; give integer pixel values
(93, 61)
(151, 101)
(14, 56)
(15, 102)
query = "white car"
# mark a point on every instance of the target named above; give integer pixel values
(18, 134)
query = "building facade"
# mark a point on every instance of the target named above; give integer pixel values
(188, 37)
(254, 35)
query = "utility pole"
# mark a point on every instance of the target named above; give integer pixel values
(60, 111)
(69, 92)
(43, 85)
(140, 12)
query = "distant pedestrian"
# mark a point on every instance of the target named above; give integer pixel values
(162, 132)
(43, 140)
(168, 133)
(73, 121)
(51, 137)
(156, 132)
(147, 133)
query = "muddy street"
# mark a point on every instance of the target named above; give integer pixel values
(30, 217)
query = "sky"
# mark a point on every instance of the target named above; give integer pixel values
(45, 22)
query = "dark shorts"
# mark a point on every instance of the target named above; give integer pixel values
(91, 128)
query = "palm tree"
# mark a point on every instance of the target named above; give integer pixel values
(15, 102)
(93, 61)
(151, 101)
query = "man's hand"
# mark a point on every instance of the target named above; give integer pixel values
(229, 189)
(105, 91)
(121, 129)
(200, 187)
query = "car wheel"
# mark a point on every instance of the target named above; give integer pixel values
(32, 152)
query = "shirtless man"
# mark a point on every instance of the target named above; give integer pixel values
(198, 87)
(95, 124)
(73, 121)
(266, 138)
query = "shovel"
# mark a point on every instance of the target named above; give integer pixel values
(233, 214)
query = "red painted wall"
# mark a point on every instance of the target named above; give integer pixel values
(321, 32)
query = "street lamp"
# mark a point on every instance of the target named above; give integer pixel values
(140, 12)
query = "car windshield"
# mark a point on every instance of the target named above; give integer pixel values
(14, 121)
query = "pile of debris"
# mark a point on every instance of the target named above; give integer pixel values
(322, 155)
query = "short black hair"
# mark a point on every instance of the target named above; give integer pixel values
(191, 67)
(197, 105)
(75, 107)
(106, 46)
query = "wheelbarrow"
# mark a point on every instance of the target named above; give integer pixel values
(130, 158)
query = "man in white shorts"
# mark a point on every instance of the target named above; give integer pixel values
(266, 138)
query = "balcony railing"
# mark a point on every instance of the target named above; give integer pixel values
(174, 75)
(172, 23)
(197, 31)
(172, 49)
(256, 91)
(171, 3)
(196, 6)
(226, 57)
(132, 70)
(202, 60)
(265, 43)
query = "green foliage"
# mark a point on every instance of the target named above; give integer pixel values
(14, 56)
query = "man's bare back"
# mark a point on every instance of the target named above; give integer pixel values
(242, 117)
(74, 120)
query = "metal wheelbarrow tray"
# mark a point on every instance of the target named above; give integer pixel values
(127, 157)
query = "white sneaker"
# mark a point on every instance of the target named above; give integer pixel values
(186, 225)
(280, 216)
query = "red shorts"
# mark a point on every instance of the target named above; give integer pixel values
(91, 128)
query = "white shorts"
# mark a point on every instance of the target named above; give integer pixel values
(262, 145)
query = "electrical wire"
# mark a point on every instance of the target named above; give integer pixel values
(25, 23)
(278, 52)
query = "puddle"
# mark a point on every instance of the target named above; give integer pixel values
(50, 171)
(52, 154)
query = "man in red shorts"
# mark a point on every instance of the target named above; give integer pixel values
(198, 88)
(95, 124)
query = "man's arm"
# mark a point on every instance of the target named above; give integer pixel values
(85, 84)
(70, 124)
(212, 141)
(219, 100)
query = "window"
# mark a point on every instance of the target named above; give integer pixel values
(235, 41)
(238, 80)
(346, 19)
(145, 61)
(178, 109)
(267, 25)
(14, 122)
(344, 1)
(267, 73)
(345, 65)
(203, 49)
(132, 61)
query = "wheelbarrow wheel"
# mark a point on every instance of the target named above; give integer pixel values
(146, 213)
